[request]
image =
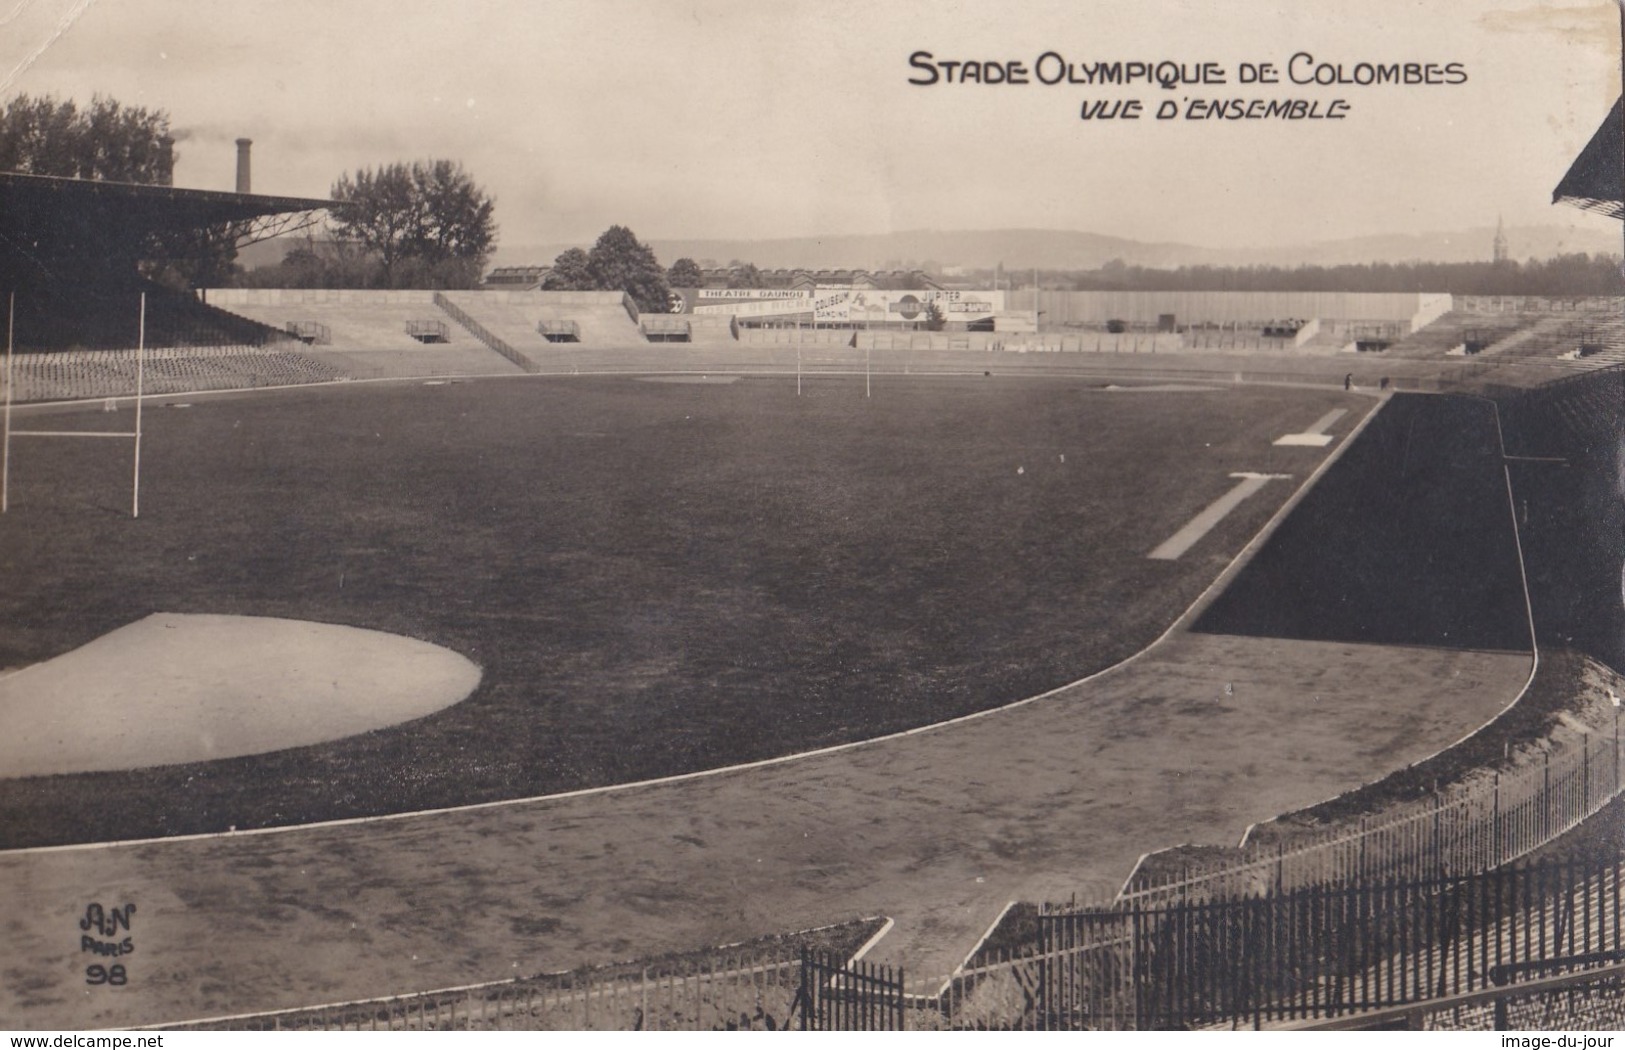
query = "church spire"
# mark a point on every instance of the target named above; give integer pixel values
(1501, 253)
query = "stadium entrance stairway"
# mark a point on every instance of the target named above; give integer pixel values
(601, 319)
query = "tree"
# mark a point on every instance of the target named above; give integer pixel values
(685, 273)
(377, 212)
(744, 275)
(108, 141)
(572, 272)
(105, 140)
(203, 257)
(935, 319)
(316, 263)
(455, 221)
(429, 224)
(620, 262)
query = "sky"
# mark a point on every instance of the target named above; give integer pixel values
(752, 119)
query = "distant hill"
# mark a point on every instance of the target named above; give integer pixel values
(1065, 249)
(1076, 250)
(1523, 242)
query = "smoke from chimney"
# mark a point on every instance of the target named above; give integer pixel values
(243, 181)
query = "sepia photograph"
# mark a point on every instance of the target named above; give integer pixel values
(703, 515)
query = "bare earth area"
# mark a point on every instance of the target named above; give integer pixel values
(1188, 743)
(174, 688)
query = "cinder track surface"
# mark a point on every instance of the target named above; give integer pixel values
(938, 829)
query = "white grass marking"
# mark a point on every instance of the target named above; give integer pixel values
(1316, 435)
(1203, 523)
(1327, 420)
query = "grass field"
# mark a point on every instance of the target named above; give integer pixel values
(656, 577)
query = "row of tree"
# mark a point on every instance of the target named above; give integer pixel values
(425, 224)
(104, 140)
(1561, 275)
(618, 262)
(429, 224)
(421, 224)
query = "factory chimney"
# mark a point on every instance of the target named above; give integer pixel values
(243, 146)
(166, 160)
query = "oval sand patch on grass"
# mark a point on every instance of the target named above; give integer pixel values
(176, 688)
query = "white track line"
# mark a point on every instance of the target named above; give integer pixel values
(872, 941)
(1324, 422)
(949, 980)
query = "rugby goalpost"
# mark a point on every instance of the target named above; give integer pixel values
(7, 433)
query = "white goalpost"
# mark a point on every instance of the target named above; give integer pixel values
(9, 433)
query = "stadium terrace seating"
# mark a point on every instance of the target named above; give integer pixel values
(511, 318)
(1562, 343)
(601, 319)
(89, 374)
(665, 328)
(715, 329)
(355, 323)
(92, 322)
(429, 331)
(1509, 341)
(559, 331)
(1459, 328)
(311, 333)
(1598, 343)
(1581, 412)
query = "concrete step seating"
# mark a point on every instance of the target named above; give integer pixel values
(1575, 342)
(360, 325)
(82, 374)
(599, 325)
(1458, 327)
(601, 319)
(1588, 408)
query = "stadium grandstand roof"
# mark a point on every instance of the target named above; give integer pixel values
(41, 199)
(1594, 180)
(89, 232)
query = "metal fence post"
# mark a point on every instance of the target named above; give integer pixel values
(1546, 795)
(1585, 771)
(802, 995)
(1495, 826)
(1438, 816)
